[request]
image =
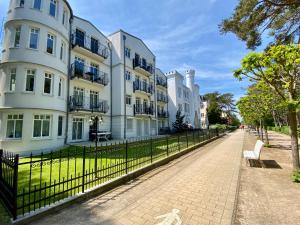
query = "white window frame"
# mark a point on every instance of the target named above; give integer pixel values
(56, 6)
(128, 75)
(32, 73)
(40, 117)
(18, 5)
(13, 73)
(34, 30)
(48, 76)
(60, 88)
(53, 38)
(65, 17)
(17, 30)
(127, 52)
(15, 118)
(62, 54)
(128, 100)
(41, 5)
(62, 126)
(129, 128)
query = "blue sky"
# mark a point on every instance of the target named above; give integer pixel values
(183, 34)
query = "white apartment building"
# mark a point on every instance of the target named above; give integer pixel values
(34, 75)
(203, 109)
(184, 96)
(134, 93)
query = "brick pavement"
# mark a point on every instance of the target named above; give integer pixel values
(201, 185)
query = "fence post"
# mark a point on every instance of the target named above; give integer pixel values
(167, 146)
(1, 155)
(187, 140)
(15, 186)
(151, 149)
(126, 157)
(83, 168)
(178, 143)
(193, 137)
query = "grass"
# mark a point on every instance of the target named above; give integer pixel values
(60, 173)
(4, 216)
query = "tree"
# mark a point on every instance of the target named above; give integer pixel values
(179, 125)
(218, 104)
(251, 18)
(279, 68)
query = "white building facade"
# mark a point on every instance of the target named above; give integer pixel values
(184, 96)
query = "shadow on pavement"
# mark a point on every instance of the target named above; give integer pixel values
(267, 164)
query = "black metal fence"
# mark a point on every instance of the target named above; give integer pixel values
(37, 181)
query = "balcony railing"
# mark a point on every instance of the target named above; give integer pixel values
(92, 104)
(162, 98)
(140, 63)
(162, 114)
(161, 82)
(141, 109)
(142, 86)
(89, 73)
(92, 46)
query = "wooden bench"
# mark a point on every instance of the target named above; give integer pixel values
(254, 154)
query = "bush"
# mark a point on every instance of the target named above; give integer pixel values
(296, 177)
(218, 126)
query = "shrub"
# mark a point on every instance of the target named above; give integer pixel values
(296, 177)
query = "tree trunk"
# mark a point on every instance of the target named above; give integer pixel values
(292, 119)
(267, 135)
(274, 118)
(261, 130)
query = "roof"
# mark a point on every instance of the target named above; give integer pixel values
(122, 31)
(160, 71)
(77, 17)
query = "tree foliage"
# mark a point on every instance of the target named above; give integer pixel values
(218, 104)
(251, 18)
(279, 68)
(179, 125)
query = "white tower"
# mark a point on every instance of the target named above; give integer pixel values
(190, 79)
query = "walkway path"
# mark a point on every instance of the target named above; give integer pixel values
(199, 188)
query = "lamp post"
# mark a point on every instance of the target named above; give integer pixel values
(95, 120)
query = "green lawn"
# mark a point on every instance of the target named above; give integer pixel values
(61, 172)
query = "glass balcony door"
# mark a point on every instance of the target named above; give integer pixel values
(80, 36)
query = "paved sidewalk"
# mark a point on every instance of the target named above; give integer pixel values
(267, 194)
(198, 188)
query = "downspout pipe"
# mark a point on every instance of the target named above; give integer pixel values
(111, 105)
(124, 79)
(68, 81)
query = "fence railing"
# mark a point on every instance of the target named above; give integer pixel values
(37, 181)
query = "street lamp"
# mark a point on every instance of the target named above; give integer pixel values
(95, 120)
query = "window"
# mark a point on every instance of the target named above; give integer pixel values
(52, 9)
(180, 107)
(186, 108)
(12, 80)
(60, 126)
(127, 52)
(94, 99)
(60, 87)
(34, 37)
(62, 51)
(21, 3)
(127, 75)
(50, 43)
(37, 4)
(128, 99)
(77, 129)
(64, 18)
(47, 83)
(41, 126)
(14, 126)
(129, 123)
(94, 45)
(30, 80)
(179, 92)
(17, 37)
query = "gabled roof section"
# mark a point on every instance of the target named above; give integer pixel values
(161, 72)
(77, 17)
(124, 32)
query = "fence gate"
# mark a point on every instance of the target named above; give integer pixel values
(9, 180)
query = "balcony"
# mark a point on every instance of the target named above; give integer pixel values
(89, 73)
(162, 98)
(81, 103)
(142, 66)
(142, 110)
(161, 82)
(162, 114)
(143, 87)
(89, 46)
